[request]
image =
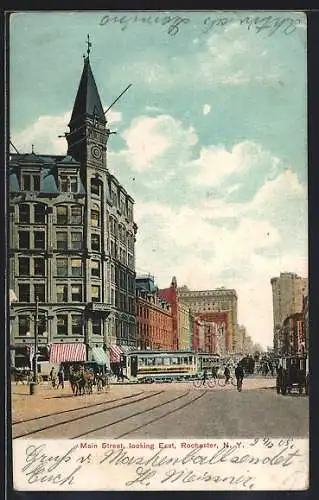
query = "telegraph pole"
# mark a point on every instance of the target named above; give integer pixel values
(34, 383)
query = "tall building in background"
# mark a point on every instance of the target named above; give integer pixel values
(219, 300)
(72, 240)
(288, 292)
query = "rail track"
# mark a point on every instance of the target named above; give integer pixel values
(87, 418)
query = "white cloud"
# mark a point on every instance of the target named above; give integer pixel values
(44, 132)
(215, 163)
(152, 140)
(206, 109)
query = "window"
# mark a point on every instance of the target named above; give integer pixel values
(39, 266)
(123, 208)
(113, 273)
(62, 241)
(39, 213)
(73, 184)
(76, 265)
(62, 324)
(42, 322)
(113, 249)
(112, 225)
(95, 268)
(61, 293)
(62, 215)
(96, 326)
(95, 242)
(26, 182)
(95, 293)
(76, 241)
(130, 213)
(39, 239)
(39, 291)
(69, 183)
(62, 267)
(24, 239)
(76, 293)
(24, 266)
(24, 325)
(24, 213)
(95, 218)
(95, 187)
(31, 182)
(114, 198)
(76, 215)
(76, 324)
(24, 292)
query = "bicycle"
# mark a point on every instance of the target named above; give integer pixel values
(231, 381)
(209, 382)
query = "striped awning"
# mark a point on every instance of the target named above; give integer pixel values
(100, 356)
(67, 352)
(127, 349)
(115, 353)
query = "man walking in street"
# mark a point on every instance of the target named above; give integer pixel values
(61, 378)
(204, 376)
(239, 374)
(227, 374)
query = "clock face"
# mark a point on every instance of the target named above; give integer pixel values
(96, 152)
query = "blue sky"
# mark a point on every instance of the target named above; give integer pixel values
(211, 137)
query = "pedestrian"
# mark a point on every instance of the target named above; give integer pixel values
(61, 378)
(52, 377)
(227, 374)
(239, 374)
(204, 376)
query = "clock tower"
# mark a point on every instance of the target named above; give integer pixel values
(88, 136)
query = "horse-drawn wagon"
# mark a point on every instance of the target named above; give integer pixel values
(292, 373)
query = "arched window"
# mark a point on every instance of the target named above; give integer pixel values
(95, 187)
(95, 216)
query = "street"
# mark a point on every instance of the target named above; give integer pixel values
(162, 411)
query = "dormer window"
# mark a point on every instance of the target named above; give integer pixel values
(30, 182)
(68, 183)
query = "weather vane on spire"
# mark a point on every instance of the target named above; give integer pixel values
(89, 44)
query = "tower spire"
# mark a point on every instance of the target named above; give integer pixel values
(89, 45)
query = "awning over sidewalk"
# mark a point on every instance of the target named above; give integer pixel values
(115, 353)
(67, 352)
(127, 349)
(100, 356)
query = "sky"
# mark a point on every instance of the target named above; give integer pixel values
(210, 139)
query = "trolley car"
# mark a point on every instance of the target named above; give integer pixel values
(161, 366)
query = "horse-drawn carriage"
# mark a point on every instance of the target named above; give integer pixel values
(292, 373)
(84, 377)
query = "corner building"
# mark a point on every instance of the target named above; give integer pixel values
(72, 239)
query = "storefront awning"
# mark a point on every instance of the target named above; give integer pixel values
(100, 356)
(127, 349)
(115, 353)
(67, 352)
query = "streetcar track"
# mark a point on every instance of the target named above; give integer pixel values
(16, 422)
(130, 416)
(51, 426)
(162, 416)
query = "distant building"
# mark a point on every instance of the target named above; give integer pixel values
(217, 300)
(305, 311)
(215, 331)
(240, 338)
(153, 317)
(180, 315)
(288, 292)
(292, 336)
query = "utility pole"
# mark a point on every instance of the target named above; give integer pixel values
(34, 383)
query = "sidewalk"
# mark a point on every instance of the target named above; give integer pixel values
(49, 400)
